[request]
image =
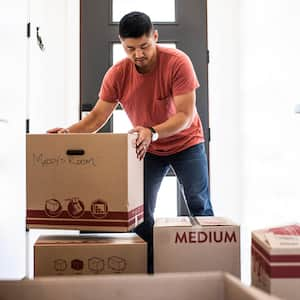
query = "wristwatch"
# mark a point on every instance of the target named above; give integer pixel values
(154, 134)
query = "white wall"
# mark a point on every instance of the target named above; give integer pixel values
(224, 107)
(13, 68)
(254, 86)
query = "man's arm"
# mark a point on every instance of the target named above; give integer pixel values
(185, 110)
(93, 121)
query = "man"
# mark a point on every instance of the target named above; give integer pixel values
(156, 87)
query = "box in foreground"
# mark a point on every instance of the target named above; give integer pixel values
(187, 286)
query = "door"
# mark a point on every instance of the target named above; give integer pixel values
(53, 64)
(181, 23)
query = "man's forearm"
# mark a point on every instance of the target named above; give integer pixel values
(89, 124)
(173, 125)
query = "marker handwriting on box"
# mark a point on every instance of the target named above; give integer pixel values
(59, 160)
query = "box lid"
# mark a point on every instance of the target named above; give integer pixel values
(57, 240)
(206, 221)
(214, 221)
(173, 222)
(279, 240)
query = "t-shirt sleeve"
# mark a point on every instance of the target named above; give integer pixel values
(109, 90)
(184, 76)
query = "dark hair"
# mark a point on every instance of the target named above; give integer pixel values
(134, 25)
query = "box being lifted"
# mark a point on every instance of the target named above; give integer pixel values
(88, 182)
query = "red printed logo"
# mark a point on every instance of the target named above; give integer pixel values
(286, 230)
(99, 208)
(77, 264)
(53, 208)
(75, 207)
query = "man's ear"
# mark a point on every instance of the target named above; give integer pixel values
(155, 35)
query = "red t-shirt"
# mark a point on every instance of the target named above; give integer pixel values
(148, 98)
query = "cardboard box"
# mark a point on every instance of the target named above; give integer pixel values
(91, 182)
(90, 254)
(200, 244)
(181, 286)
(276, 260)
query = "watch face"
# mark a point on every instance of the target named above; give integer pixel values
(154, 136)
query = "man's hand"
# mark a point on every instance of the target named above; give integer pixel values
(143, 140)
(58, 130)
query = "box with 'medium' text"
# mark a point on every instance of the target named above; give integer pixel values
(88, 182)
(185, 244)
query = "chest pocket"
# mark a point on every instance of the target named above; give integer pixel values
(164, 108)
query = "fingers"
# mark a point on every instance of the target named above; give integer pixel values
(54, 130)
(58, 130)
(141, 150)
(142, 142)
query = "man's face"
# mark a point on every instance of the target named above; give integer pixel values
(142, 50)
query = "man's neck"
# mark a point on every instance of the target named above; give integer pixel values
(149, 67)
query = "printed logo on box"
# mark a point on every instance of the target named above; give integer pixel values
(117, 264)
(75, 207)
(60, 265)
(96, 264)
(53, 208)
(77, 264)
(99, 208)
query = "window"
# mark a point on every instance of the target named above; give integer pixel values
(165, 13)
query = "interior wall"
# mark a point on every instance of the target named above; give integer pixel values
(13, 62)
(224, 107)
(253, 89)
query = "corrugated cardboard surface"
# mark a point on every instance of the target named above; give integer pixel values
(90, 254)
(180, 246)
(276, 262)
(91, 190)
(187, 286)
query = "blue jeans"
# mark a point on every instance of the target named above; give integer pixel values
(191, 169)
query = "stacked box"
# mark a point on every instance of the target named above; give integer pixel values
(89, 254)
(199, 244)
(276, 260)
(91, 183)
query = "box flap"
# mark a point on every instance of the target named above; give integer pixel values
(279, 240)
(188, 286)
(109, 238)
(214, 221)
(293, 229)
(173, 222)
(283, 241)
